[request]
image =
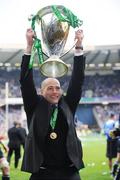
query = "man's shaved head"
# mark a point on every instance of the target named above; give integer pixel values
(48, 82)
(51, 90)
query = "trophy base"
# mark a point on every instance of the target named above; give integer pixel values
(53, 67)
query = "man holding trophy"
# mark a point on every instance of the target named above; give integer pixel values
(52, 149)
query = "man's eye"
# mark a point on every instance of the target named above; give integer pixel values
(58, 88)
(50, 88)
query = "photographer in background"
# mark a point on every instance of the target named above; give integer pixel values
(111, 147)
(115, 133)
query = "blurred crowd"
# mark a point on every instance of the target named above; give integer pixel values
(94, 85)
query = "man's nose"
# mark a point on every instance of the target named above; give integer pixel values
(55, 90)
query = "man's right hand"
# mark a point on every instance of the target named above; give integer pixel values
(79, 37)
(30, 34)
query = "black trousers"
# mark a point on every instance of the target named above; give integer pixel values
(5, 178)
(70, 173)
(17, 155)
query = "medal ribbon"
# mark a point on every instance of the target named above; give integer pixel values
(54, 118)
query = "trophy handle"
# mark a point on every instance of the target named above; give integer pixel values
(45, 54)
(66, 52)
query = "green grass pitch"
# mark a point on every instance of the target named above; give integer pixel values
(96, 166)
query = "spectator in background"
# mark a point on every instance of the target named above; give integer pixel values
(15, 139)
(111, 148)
(4, 165)
(115, 133)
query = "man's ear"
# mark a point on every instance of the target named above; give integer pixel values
(40, 92)
(61, 91)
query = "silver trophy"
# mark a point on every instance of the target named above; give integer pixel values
(54, 30)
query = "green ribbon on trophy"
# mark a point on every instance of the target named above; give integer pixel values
(36, 46)
(67, 17)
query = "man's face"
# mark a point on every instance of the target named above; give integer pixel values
(51, 90)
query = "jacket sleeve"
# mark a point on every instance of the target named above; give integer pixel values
(28, 90)
(74, 90)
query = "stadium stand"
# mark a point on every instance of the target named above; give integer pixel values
(101, 89)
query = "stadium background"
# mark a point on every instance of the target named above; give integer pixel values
(101, 89)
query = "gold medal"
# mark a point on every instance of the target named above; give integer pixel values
(53, 135)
